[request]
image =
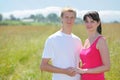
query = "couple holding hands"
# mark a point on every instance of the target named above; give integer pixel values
(70, 59)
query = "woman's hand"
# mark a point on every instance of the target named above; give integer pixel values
(80, 70)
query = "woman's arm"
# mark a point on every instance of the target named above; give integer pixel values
(102, 46)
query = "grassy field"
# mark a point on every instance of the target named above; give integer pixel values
(21, 49)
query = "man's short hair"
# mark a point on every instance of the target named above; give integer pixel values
(67, 9)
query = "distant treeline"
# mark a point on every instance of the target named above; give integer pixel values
(36, 19)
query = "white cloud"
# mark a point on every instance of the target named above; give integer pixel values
(106, 15)
(110, 15)
(26, 13)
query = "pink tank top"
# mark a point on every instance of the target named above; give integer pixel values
(91, 58)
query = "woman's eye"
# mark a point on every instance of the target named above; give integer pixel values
(92, 21)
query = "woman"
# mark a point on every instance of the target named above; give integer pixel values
(94, 55)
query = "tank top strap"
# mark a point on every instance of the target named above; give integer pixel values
(97, 40)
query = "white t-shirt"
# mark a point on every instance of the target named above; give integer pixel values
(64, 50)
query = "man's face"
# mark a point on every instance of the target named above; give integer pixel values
(68, 19)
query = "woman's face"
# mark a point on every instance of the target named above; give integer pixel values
(91, 25)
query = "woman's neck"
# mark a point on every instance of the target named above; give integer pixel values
(93, 35)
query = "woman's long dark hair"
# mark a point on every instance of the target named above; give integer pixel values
(95, 16)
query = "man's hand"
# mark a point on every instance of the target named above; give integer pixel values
(70, 71)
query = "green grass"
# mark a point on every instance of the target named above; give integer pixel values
(21, 49)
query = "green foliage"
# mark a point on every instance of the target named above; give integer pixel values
(20, 23)
(21, 50)
(52, 17)
(12, 23)
(1, 17)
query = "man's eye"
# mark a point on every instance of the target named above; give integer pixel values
(72, 17)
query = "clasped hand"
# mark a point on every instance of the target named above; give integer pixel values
(71, 71)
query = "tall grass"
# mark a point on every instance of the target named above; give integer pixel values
(21, 49)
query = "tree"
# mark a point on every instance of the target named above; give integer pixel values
(33, 17)
(1, 17)
(78, 21)
(12, 17)
(52, 17)
(40, 18)
(115, 21)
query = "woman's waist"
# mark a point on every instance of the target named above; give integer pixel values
(97, 76)
(86, 65)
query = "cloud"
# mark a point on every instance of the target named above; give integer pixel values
(106, 15)
(26, 13)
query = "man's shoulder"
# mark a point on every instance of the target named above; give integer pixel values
(76, 37)
(54, 35)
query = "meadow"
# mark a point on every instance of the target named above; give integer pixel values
(21, 49)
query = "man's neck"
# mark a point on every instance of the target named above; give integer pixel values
(66, 30)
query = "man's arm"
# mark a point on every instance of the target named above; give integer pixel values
(45, 66)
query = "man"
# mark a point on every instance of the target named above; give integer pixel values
(63, 49)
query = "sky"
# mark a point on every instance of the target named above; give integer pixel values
(108, 9)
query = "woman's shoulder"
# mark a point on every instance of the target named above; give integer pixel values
(101, 41)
